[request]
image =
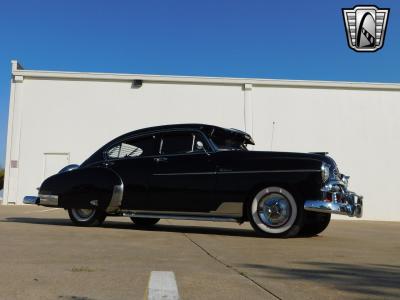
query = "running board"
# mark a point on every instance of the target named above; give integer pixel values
(181, 217)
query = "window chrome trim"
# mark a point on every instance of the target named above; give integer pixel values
(138, 136)
(193, 139)
(161, 145)
(206, 141)
(181, 154)
(203, 138)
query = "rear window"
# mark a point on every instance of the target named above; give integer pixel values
(228, 141)
(133, 148)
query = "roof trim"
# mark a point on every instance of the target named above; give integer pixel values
(17, 70)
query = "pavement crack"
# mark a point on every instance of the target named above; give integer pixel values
(240, 273)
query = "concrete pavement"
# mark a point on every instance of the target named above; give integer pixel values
(42, 256)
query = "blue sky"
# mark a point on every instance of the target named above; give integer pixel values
(282, 39)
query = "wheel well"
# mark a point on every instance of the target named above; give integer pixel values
(292, 188)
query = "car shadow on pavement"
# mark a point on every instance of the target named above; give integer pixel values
(130, 226)
(43, 221)
(370, 280)
(198, 229)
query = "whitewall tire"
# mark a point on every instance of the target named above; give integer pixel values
(274, 212)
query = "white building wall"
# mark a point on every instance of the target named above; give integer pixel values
(70, 115)
(359, 128)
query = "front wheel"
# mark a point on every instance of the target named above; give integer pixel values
(315, 223)
(144, 221)
(274, 212)
(86, 216)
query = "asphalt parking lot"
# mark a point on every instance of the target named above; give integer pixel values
(42, 256)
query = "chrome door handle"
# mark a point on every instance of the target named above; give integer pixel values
(160, 159)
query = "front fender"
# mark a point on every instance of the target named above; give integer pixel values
(85, 188)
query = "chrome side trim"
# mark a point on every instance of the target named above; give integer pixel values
(225, 210)
(183, 174)
(180, 217)
(269, 171)
(31, 200)
(238, 172)
(48, 200)
(116, 199)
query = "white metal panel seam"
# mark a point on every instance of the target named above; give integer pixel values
(248, 109)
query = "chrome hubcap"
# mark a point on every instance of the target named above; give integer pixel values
(83, 214)
(274, 209)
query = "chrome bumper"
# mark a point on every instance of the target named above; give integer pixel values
(44, 200)
(337, 200)
(31, 200)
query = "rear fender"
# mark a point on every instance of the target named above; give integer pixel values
(85, 188)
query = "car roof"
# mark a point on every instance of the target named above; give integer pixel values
(205, 128)
(198, 126)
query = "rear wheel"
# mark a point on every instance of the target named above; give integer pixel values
(144, 221)
(315, 223)
(86, 216)
(274, 212)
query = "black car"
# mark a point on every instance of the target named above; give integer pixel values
(201, 172)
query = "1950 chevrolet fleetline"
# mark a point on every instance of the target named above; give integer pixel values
(201, 172)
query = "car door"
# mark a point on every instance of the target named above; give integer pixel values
(184, 174)
(132, 160)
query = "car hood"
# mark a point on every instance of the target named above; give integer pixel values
(261, 155)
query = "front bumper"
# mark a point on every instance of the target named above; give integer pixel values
(336, 199)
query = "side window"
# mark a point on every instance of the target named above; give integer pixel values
(176, 143)
(133, 148)
(179, 143)
(203, 144)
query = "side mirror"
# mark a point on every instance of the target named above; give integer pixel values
(199, 145)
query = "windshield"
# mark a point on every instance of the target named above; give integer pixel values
(228, 141)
